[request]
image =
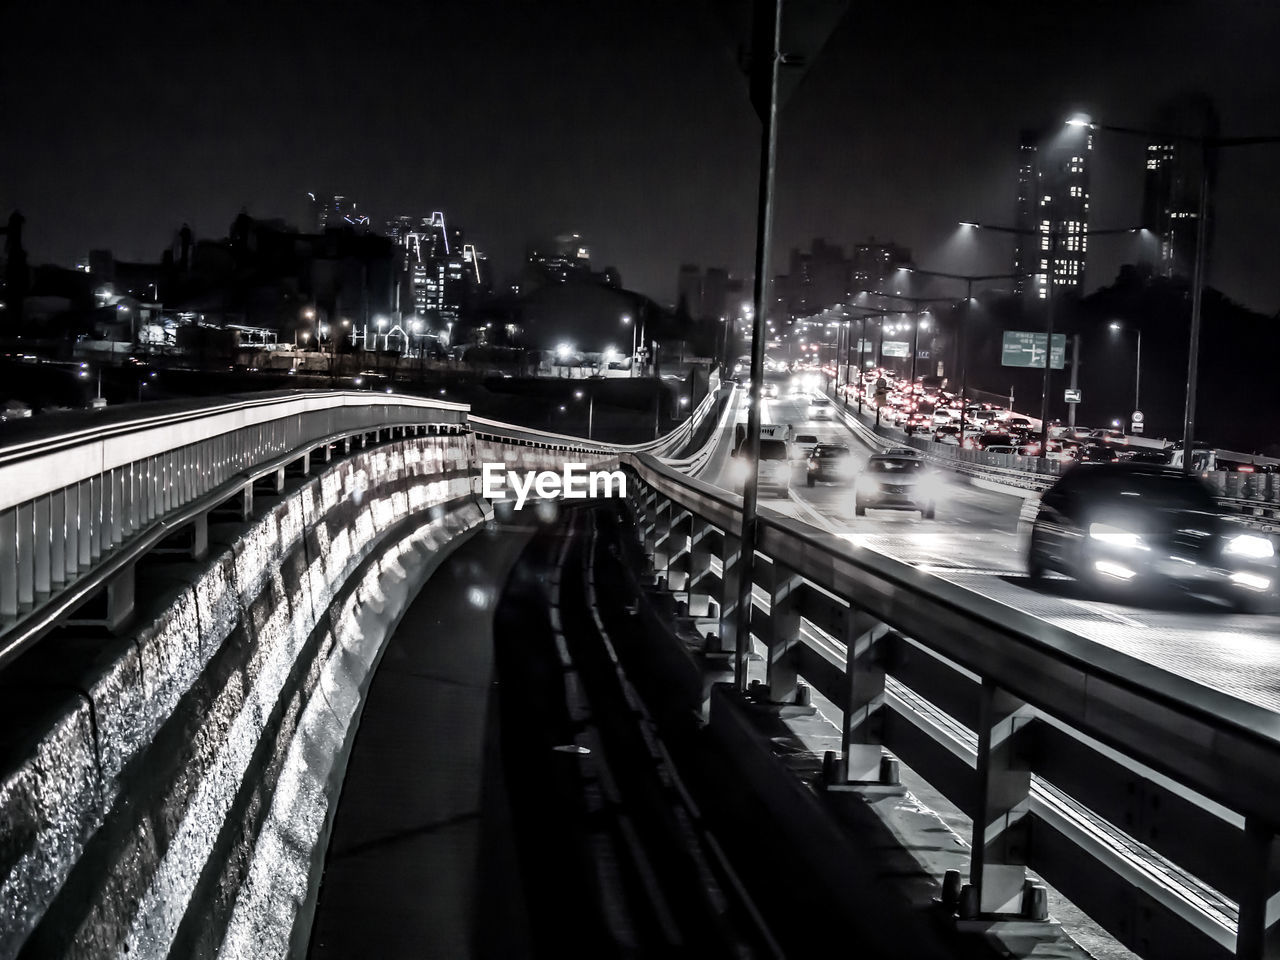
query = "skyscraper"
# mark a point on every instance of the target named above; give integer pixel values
(1052, 203)
(1171, 188)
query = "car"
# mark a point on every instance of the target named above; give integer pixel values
(774, 475)
(829, 463)
(948, 434)
(1149, 455)
(771, 391)
(896, 479)
(918, 421)
(1128, 526)
(992, 438)
(1017, 423)
(803, 445)
(1108, 435)
(820, 408)
(1093, 452)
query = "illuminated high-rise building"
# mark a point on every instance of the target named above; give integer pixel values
(1171, 184)
(1053, 203)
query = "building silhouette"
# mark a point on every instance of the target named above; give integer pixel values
(1171, 185)
(1052, 204)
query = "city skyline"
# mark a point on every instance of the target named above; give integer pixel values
(634, 131)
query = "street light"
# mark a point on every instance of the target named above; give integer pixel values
(1137, 364)
(1209, 146)
(1053, 235)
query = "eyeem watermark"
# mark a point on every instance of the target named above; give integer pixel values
(576, 482)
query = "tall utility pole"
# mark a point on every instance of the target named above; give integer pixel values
(772, 32)
(1075, 377)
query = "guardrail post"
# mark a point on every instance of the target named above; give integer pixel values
(42, 531)
(677, 550)
(998, 864)
(1258, 928)
(9, 563)
(661, 528)
(26, 553)
(784, 633)
(727, 598)
(862, 726)
(699, 565)
(649, 522)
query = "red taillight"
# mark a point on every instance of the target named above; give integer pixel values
(1244, 469)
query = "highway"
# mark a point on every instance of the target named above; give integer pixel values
(974, 542)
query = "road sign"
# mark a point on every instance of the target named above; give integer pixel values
(1137, 416)
(1071, 395)
(1135, 427)
(866, 346)
(1025, 348)
(923, 354)
(896, 348)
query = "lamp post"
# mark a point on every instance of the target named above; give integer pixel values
(1208, 147)
(626, 320)
(1137, 364)
(1053, 235)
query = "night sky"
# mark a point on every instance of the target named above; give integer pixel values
(623, 120)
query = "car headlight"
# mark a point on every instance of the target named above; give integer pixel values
(1116, 536)
(1251, 547)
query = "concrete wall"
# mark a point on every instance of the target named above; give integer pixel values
(168, 793)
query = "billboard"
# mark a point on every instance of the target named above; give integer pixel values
(895, 348)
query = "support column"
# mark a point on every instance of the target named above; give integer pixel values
(699, 565)
(26, 553)
(784, 633)
(1258, 929)
(9, 563)
(998, 868)
(727, 595)
(862, 726)
(42, 570)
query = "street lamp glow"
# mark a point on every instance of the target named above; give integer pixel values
(563, 350)
(626, 318)
(971, 224)
(1080, 120)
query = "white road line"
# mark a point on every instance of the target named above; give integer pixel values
(817, 518)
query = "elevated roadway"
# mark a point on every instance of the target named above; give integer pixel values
(974, 542)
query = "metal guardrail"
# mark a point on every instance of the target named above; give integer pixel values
(1147, 799)
(77, 509)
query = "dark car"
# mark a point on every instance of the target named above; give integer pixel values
(1134, 525)
(896, 480)
(1146, 456)
(1097, 453)
(829, 463)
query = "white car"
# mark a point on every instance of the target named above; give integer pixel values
(820, 408)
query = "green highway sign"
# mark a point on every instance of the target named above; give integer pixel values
(1025, 348)
(895, 348)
